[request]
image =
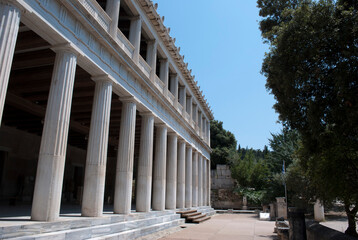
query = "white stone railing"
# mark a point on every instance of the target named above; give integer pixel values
(171, 98)
(97, 12)
(143, 65)
(159, 84)
(124, 43)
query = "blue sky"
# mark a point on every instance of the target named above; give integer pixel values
(222, 44)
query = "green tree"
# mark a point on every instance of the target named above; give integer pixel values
(251, 173)
(223, 144)
(312, 71)
(283, 147)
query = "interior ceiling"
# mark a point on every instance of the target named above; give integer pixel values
(28, 91)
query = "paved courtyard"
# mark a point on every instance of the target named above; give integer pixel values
(228, 226)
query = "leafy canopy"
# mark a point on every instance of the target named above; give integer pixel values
(312, 70)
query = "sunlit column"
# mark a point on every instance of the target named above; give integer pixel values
(159, 168)
(51, 164)
(145, 161)
(181, 175)
(171, 185)
(125, 157)
(93, 191)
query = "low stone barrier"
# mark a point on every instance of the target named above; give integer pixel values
(316, 231)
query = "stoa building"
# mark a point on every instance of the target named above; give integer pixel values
(101, 120)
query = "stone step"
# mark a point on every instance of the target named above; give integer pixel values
(196, 217)
(142, 231)
(202, 219)
(190, 214)
(187, 211)
(75, 230)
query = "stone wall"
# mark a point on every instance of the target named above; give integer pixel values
(222, 186)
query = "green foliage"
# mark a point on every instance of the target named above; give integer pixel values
(312, 70)
(251, 174)
(283, 145)
(223, 144)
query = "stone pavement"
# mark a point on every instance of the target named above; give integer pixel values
(226, 227)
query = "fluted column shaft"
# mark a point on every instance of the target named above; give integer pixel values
(93, 191)
(195, 179)
(9, 27)
(200, 180)
(205, 182)
(181, 175)
(135, 31)
(112, 9)
(125, 158)
(159, 168)
(50, 167)
(209, 181)
(171, 185)
(144, 178)
(188, 176)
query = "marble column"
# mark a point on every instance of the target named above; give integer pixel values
(200, 180)
(135, 31)
(152, 57)
(95, 173)
(195, 179)
(159, 168)
(171, 185)
(174, 87)
(181, 174)
(205, 182)
(125, 157)
(164, 73)
(112, 9)
(145, 161)
(51, 164)
(9, 27)
(188, 176)
(209, 181)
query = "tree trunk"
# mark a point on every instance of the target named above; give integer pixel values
(351, 214)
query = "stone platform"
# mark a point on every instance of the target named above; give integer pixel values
(110, 226)
(73, 226)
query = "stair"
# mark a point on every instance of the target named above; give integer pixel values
(108, 227)
(193, 216)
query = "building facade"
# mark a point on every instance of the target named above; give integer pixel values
(98, 107)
